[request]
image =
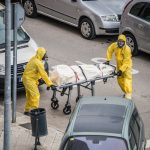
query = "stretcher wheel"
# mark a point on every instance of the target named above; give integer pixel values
(54, 105)
(67, 110)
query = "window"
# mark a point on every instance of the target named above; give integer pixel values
(95, 143)
(132, 140)
(146, 13)
(137, 117)
(22, 37)
(134, 131)
(137, 9)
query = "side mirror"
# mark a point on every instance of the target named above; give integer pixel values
(74, 0)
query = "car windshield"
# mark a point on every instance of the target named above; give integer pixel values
(95, 143)
(22, 37)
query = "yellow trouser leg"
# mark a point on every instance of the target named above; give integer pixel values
(27, 105)
(125, 83)
(121, 83)
(128, 88)
(32, 100)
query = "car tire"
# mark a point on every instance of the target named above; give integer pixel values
(131, 41)
(30, 8)
(87, 29)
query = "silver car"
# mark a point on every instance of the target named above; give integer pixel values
(92, 17)
(104, 123)
(135, 24)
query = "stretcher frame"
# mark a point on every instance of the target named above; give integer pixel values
(66, 89)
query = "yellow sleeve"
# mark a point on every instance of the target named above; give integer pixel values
(43, 74)
(127, 60)
(110, 51)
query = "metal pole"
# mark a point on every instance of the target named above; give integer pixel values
(7, 95)
(14, 64)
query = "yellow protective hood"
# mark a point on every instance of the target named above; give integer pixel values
(40, 53)
(122, 37)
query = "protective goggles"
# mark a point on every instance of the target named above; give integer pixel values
(120, 43)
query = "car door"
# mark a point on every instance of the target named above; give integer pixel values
(66, 10)
(144, 28)
(45, 6)
(134, 21)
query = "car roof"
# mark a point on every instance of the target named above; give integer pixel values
(101, 114)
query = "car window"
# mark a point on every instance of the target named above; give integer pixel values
(135, 130)
(135, 127)
(95, 143)
(137, 9)
(146, 13)
(22, 37)
(137, 117)
(132, 140)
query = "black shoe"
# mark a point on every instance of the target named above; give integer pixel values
(27, 113)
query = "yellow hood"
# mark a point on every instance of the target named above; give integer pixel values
(122, 37)
(40, 53)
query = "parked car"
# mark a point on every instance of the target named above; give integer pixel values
(135, 24)
(104, 123)
(92, 17)
(26, 48)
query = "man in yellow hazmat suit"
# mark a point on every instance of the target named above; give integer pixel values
(124, 64)
(33, 72)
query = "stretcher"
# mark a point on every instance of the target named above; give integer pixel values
(65, 87)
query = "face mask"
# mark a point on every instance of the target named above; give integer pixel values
(120, 44)
(45, 57)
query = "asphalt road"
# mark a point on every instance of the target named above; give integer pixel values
(64, 45)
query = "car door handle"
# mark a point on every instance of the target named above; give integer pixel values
(140, 26)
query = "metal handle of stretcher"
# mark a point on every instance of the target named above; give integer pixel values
(67, 88)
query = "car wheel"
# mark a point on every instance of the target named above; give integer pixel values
(87, 29)
(131, 41)
(30, 8)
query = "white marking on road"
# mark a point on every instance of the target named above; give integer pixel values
(101, 60)
(148, 144)
(79, 62)
(98, 60)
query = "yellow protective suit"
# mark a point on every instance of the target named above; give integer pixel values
(33, 72)
(124, 63)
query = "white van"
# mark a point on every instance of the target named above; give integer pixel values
(26, 48)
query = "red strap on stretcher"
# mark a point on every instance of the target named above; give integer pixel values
(76, 75)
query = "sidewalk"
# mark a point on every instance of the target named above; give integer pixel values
(22, 136)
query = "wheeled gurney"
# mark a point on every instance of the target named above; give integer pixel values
(89, 75)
